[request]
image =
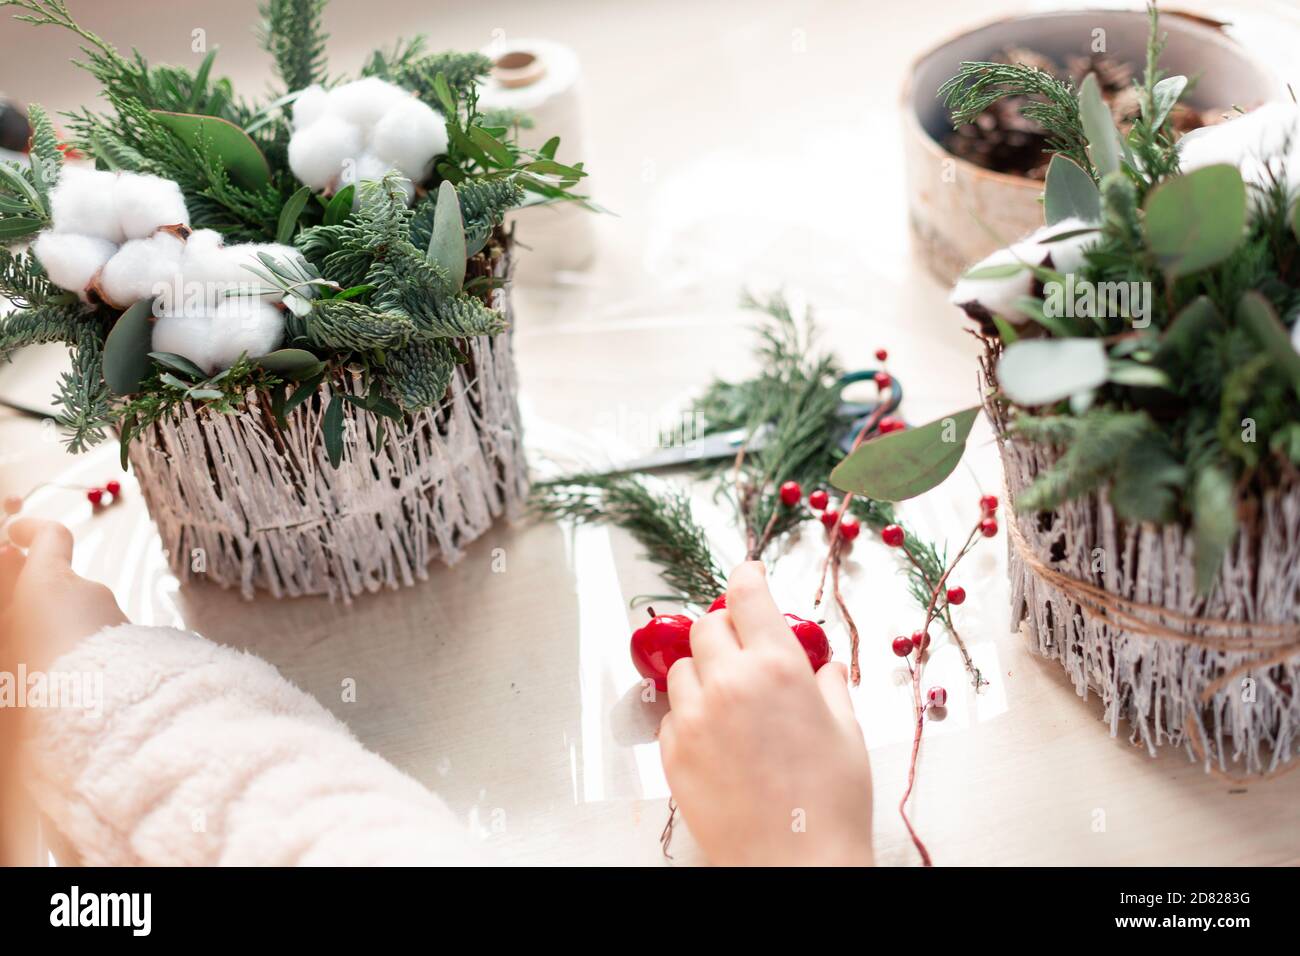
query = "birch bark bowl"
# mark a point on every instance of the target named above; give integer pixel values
(242, 503)
(959, 212)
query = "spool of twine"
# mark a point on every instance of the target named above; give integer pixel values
(1270, 643)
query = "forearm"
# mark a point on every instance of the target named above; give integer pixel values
(203, 755)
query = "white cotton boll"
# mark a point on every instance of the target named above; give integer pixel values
(317, 153)
(364, 102)
(311, 104)
(188, 336)
(71, 260)
(408, 136)
(1254, 143)
(83, 202)
(996, 295)
(1067, 254)
(144, 203)
(244, 326)
(142, 269)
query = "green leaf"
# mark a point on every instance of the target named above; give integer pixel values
(1002, 271)
(496, 150)
(1214, 523)
(1041, 371)
(206, 393)
(1295, 219)
(1070, 192)
(303, 392)
(1255, 313)
(1137, 374)
(1006, 331)
(235, 148)
(1166, 94)
(1188, 332)
(126, 350)
(442, 90)
(447, 243)
(1195, 221)
(18, 227)
(291, 362)
(293, 208)
(904, 464)
(179, 363)
(332, 430)
(340, 207)
(1144, 486)
(549, 148)
(1098, 127)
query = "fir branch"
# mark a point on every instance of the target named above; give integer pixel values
(419, 373)
(1051, 103)
(409, 66)
(83, 395)
(292, 33)
(38, 325)
(45, 155)
(23, 281)
(663, 524)
(1101, 440)
(343, 325)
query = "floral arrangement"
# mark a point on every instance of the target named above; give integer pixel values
(1146, 331)
(215, 248)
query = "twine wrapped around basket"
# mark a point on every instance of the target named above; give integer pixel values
(243, 503)
(1117, 605)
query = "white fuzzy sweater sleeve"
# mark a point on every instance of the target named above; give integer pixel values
(205, 755)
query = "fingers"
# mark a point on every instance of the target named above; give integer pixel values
(713, 640)
(754, 614)
(833, 682)
(683, 680)
(11, 565)
(48, 544)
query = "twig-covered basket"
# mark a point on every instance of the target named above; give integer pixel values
(1116, 604)
(243, 503)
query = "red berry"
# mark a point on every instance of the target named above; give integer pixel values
(882, 380)
(95, 496)
(988, 527)
(829, 517)
(791, 493)
(902, 646)
(114, 488)
(890, 424)
(881, 355)
(920, 641)
(937, 696)
(13, 505)
(892, 535)
(718, 604)
(849, 528)
(663, 641)
(988, 504)
(812, 638)
(818, 500)
(956, 595)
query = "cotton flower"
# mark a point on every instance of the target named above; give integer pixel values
(215, 340)
(140, 267)
(72, 260)
(144, 203)
(83, 202)
(185, 335)
(1256, 143)
(360, 132)
(999, 295)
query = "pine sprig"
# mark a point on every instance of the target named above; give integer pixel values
(662, 523)
(38, 325)
(292, 32)
(83, 396)
(23, 281)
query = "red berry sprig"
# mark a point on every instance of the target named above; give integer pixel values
(850, 528)
(883, 380)
(892, 535)
(902, 646)
(937, 696)
(956, 596)
(818, 500)
(890, 424)
(829, 517)
(790, 494)
(881, 355)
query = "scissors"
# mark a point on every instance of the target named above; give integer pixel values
(727, 444)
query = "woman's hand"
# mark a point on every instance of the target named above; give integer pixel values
(46, 609)
(765, 760)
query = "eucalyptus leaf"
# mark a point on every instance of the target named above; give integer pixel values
(1070, 193)
(289, 214)
(1166, 94)
(1188, 331)
(1003, 270)
(1256, 313)
(1295, 219)
(1214, 524)
(1137, 374)
(17, 227)
(126, 350)
(1042, 371)
(1196, 221)
(904, 464)
(447, 242)
(332, 430)
(179, 363)
(1098, 127)
(340, 206)
(288, 361)
(235, 148)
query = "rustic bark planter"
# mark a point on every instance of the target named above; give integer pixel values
(246, 505)
(1227, 698)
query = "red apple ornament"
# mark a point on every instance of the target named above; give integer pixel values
(812, 638)
(664, 640)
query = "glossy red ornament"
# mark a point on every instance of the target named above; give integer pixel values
(818, 500)
(812, 638)
(988, 504)
(988, 527)
(829, 517)
(114, 488)
(890, 424)
(718, 604)
(937, 696)
(663, 641)
(956, 595)
(849, 528)
(902, 646)
(95, 496)
(920, 640)
(791, 493)
(881, 355)
(882, 380)
(892, 535)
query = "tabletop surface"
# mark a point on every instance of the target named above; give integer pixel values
(739, 147)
